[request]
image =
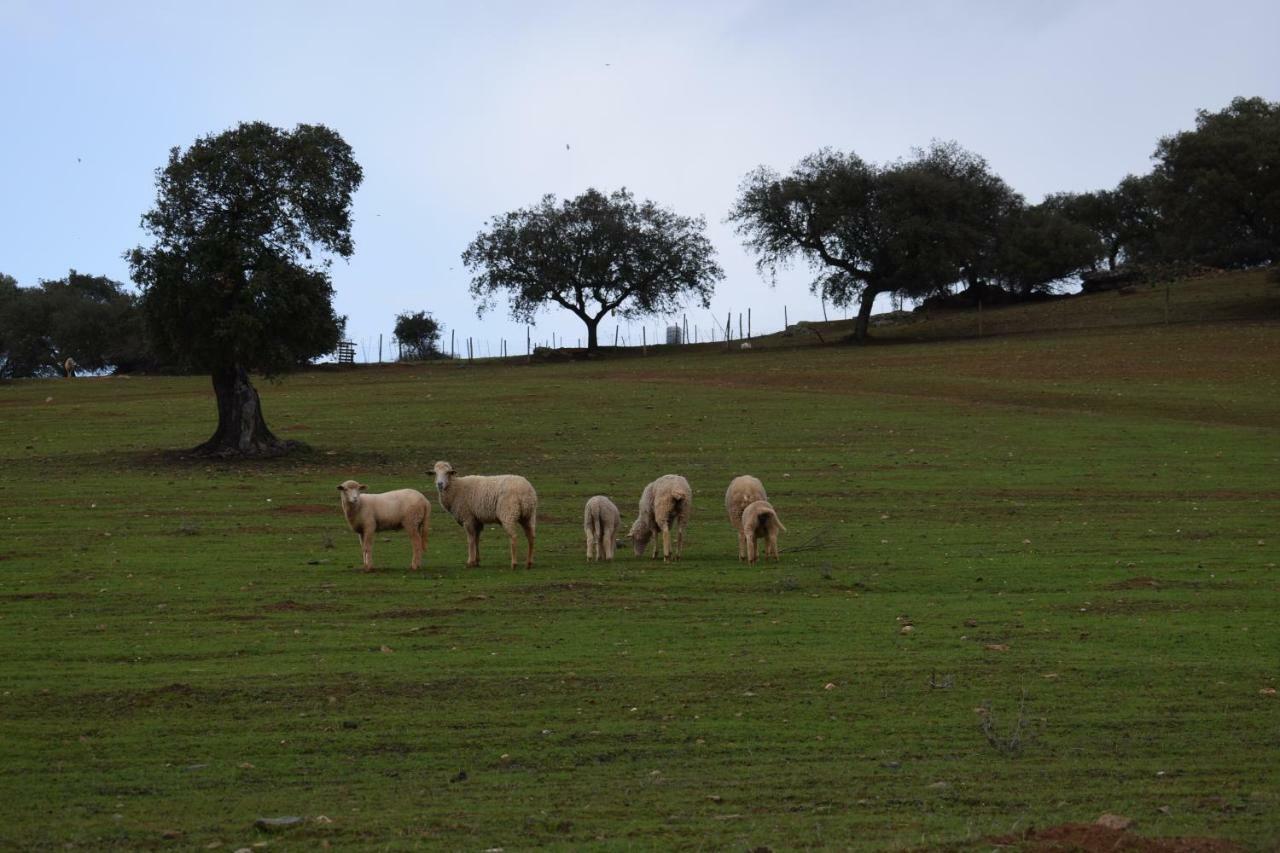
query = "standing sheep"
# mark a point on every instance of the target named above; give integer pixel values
(368, 514)
(474, 501)
(760, 521)
(600, 521)
(666, 500)
(742, 491)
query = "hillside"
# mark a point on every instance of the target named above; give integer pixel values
(1028, 579)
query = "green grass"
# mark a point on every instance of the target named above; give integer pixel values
(188, 646)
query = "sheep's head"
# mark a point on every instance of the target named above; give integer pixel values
(444, 472)
(640, 535)
(351, 491)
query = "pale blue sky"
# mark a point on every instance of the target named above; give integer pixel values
(459, 112)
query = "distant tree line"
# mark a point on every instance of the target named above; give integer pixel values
(246, 224)
(89, 318)
(922, 226)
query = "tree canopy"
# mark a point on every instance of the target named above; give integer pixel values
(89, 318)
(418, 334)
(1039, 247)
(913, 227)
(244, 224)
(1122, 219)
(592, 255)
(1217, 187)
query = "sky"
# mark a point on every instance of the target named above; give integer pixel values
(459, 112)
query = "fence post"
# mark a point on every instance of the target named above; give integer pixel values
(451, 349)
(785, 322)
(644, 340)
(748, 323)
(615, 336)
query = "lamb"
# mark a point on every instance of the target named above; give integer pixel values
(666, 500)
(368, 514)
(760, 521)
(474, 501)
(742, 491)
(600, 520)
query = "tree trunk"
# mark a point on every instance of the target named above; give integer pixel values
(241, 431)
(593, 339)
(869, 295)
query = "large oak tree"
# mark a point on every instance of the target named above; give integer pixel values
(1217, 188)
(912, 227)
(593, 255)
(237, 280)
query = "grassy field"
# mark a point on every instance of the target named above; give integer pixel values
(1078, 526)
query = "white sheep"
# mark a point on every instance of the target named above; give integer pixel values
(760, 521)
(665, 501)
(69, 367)
(474, 501)
(368, 514)
(600, 521)
(742, 491)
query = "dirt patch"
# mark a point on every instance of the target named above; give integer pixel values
(34, 596)
(290, 605)
(1089, 838)
(563, 586)
(417, 613)
(1157, 583)
(1135, 583)
(306, 509)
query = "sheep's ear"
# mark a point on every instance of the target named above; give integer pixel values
(339, 488)
(363, 487)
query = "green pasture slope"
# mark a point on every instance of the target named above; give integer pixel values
(1079, 526)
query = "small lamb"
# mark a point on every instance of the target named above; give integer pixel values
(368, 514)
(760, 521)
(667, 500)
(474, 501)
(742, 491)
(600, 521)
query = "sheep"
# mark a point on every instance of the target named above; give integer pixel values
(600, 520)
(69, 367)
(760, 521)
(666, 500)
(368, 514)
(474, 501)
(742, 491)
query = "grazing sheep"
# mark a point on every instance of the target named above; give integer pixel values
(600, 520)
(474, 501)
(368, 514)
(745, 345)
(742, 491)
(760, 521)
(666, 500)
(69, 367)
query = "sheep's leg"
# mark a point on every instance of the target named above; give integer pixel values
(751, 548)
(473, 544)
(511, 541)
(591, 546)
(528, 532)
(773, 546)
(666, 543)
(609, 541)
(366, 550)
(415, 536)
(742, 545)
(680, 542)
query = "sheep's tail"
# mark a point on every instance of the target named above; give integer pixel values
(777, 521)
